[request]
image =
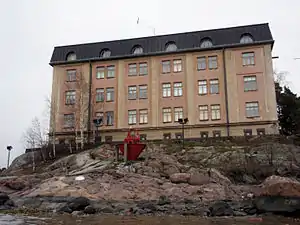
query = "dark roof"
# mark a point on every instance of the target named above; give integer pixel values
(189, 41)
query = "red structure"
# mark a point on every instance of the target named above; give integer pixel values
(134, 148)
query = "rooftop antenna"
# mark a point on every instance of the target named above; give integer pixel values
(151, 27)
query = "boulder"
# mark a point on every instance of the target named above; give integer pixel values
(3, 198)
(79, 203)
(199, 179)
(180, 178)
(221, 208)
(280, 186)
(89, 210)
(15, 185)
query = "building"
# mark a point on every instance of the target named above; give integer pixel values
(221, 80)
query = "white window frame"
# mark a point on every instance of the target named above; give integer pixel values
(178, 113)
(110, 94)
(214, 86)
(215, 112)
(178, 89)
(167, 115)
(166, 90)
(132, 69)
(143, 114)
(132, 92)
(143, 91)
(111, 71)
(202, 87)
(143, 69)
(177, 65)
(213, 62)
(250, 83)
(252, 109)
(71, 75)
(100, 72)
(100, 95)
(166, 66)
(132, 116)
(248, 58)
(201, 63)
(203, 112)
(70, 97)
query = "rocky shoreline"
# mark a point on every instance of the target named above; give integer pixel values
(232, 181)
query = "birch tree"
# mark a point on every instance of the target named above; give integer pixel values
(52, 113)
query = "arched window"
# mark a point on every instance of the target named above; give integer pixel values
(105, 53)
(137, 50)
(246, 38)
(71, 56)
(170, 47)
(206, 43)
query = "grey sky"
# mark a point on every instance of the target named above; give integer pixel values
(30, 30)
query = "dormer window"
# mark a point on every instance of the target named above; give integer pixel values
(71, 56)
(137, 50)
(105, 53)
(246, 39)
(206, 43)
(170, 47)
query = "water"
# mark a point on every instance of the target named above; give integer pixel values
(115, 220)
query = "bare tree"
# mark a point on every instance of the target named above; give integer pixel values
(35, 137)
(52, 113)
(81, 107)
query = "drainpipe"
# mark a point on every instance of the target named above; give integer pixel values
(226, 94)
(90, 103)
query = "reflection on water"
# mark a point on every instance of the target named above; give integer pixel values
(114, 220)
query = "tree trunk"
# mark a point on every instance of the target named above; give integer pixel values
(81, 139)
(53, 145)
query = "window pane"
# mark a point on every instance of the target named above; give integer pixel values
(212, 62)
(202, 87)
(215, 112)
(132, 69)
(132, 117)
(171, 47)
(166, 88)
(110, 71)
(69, 120)
(70, 97)
(143, 116)
(178, 89)
(143, 69)
(100, 72)
(99, 95)
(214, 86)
(178, 113)
(110, 94)
(248, 58)
(252, 109)
(250, 83)
(132, 92)
(109, 118)
(143, 91)
(203, 112)
(166, 66)
(177, 65)
(167, 115)
(71, 75)
(201, 63)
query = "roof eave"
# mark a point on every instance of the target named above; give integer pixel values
(55, 63)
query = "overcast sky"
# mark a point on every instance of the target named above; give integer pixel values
(31, 28)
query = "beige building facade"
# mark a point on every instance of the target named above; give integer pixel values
(224, 89)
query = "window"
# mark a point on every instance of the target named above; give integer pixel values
(178, 89)
(171, 47)
(261, 131)
(100, 73)
(71, 75)
(178, 113)
(99, 114)
(250, 83)
(143, 91)
(109, 118)
(204, 134)
(166, 89)
(167, 115)
(248, 132)
(110, 94)
(178, 136)
(143, 69)
(71, 56)
(132, 92)
(206, 43)
(69, 120)
(105, 53)
(143, 137)
(248, 58)
(216, 133)
(214, 86)
(143, 116)
(70, 97)
(131, 116)
(166, 66)
(202, 87)
(167, 136)
(203, 112)
(215, 112)
(137, 50)
(132, 70)
(252, 109)
(110, 71)
(201, 63)
(177, 65)
(246, 38)
(212, 62)
(99, 95)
